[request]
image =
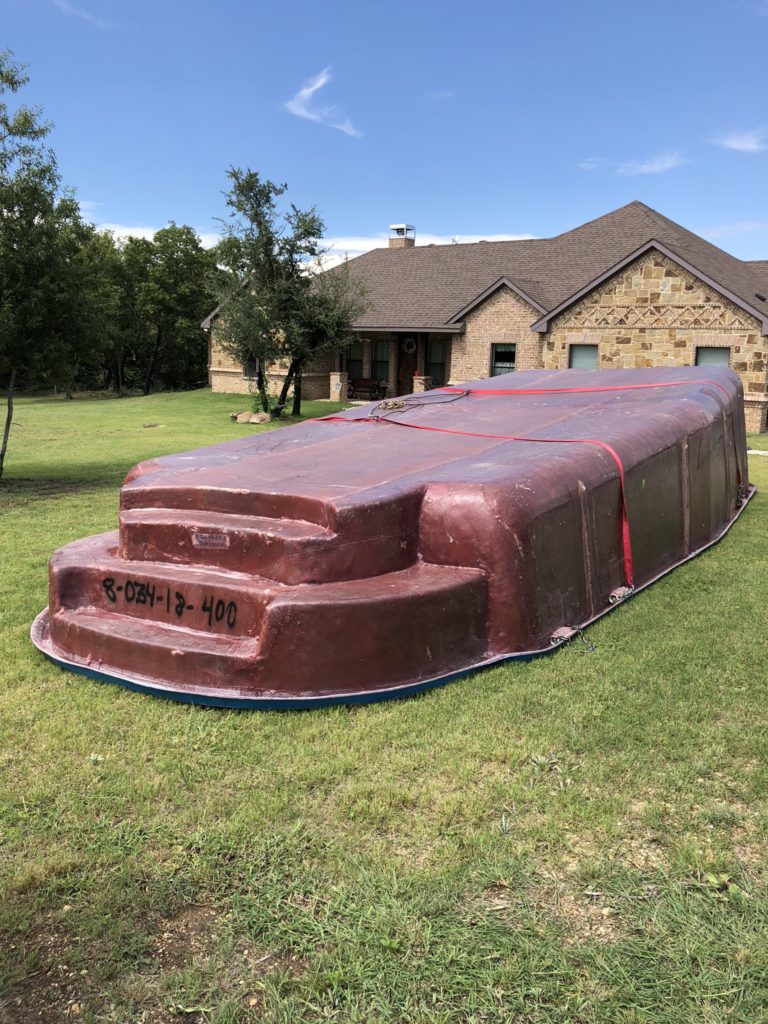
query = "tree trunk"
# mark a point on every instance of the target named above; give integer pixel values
(296, 411)
(283, 399)
(152, 361)
(8, 418)
(122, 359)
(261, 385)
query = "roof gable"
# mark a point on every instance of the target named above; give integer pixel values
(542, 324)
(503, 282)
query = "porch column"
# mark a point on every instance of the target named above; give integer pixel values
(392, 375)
(338, 390)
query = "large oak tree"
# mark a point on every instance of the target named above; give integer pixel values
(273, 304)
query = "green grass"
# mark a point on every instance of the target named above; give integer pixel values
(579, 839)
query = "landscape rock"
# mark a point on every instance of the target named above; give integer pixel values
(260, 417)
(244, 417)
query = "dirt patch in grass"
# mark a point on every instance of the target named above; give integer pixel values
(585, 916)
(498, 898)
(192, 946)
(52, 990)
(196, 945)
(643, 854)
(192, 934)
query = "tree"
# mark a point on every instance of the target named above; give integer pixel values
(131, 338)
(85, 300)
(51, 294)
(28, 211)
(273, 304)
(173, 300)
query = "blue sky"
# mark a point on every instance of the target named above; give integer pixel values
(471, 119)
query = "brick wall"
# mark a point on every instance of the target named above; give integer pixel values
(503, 318)
(225, 374)
(654, 313)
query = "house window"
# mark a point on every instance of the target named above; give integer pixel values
(435, 362)
(354, 360)
(502, 359)
(582, 357)
(380, 360)
(713, 356)
(250, 368)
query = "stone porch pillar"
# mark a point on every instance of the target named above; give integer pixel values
(422, 383)
(338, 386)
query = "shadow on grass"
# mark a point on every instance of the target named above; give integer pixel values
(21, 492)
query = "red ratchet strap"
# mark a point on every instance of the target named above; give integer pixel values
(578, 391)
(625, 535)
(480, 392)
(626, 540)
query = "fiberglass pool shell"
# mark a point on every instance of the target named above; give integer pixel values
(391, 548)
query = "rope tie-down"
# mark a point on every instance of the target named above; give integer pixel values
(399, 405)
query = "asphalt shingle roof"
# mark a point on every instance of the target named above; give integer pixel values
(424, 287)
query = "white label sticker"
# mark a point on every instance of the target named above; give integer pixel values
(210, 540)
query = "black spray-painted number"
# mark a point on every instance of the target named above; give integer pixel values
(215, 609)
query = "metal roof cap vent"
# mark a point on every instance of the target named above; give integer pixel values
(402, 236)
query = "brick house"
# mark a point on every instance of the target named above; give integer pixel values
(631, 288)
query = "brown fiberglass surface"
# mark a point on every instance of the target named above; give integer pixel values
(396, 545)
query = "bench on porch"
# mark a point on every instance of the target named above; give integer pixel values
(366, 387)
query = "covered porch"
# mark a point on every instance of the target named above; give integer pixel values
(395, 362)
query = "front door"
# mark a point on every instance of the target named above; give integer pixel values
(407, 354)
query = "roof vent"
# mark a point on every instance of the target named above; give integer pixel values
(402, 236)
(761, 297)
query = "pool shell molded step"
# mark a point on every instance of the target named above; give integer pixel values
(431, 618)
(286, 550)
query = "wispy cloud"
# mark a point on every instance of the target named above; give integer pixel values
(440, 95)
(72, 11)
(594, 163)
(123, 231)
(303, 105)
(342, 247)
(741, 227)
(755, 141)
(88, 206)
(653, 165)
(627, 168)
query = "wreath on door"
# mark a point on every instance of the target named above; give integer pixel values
(409, 346)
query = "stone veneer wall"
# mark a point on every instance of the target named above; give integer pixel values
(503, 318)
(654, 313)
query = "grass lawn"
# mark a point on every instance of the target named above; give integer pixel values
(579, 839)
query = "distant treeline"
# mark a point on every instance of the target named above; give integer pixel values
(133, 315)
